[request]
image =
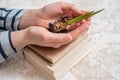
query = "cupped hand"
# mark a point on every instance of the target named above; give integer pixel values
(42, 17)
(42, 37)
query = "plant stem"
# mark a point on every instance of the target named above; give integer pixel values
(81, 17)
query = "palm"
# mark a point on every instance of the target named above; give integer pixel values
(45, 22)
(53, 16)
(51, 13)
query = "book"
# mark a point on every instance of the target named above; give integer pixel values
(55, 54)
(54, 63)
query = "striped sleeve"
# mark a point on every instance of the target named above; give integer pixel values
(6, 47)
(9, 21)
(9, 18)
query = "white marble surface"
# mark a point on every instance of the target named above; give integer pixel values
(104, 31)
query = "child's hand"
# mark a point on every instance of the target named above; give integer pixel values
(42, 37)
(41, 17)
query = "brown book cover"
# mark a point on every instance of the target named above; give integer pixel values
(52, 54)
(58, 69)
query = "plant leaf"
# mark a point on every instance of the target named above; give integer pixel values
(81, 17)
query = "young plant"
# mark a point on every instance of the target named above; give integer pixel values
(60, 25)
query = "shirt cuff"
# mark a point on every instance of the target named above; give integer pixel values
(13, 18)
(6, 46)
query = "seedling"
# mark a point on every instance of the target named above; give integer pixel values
(61, 24)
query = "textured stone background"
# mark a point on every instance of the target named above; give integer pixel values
(104, 31)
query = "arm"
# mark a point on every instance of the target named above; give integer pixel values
(6, 47)
(43, 16)
(9, 18)
(36, 34)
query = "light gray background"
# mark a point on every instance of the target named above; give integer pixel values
(104, 31)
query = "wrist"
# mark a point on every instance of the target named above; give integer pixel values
(29, 18)
(18, 38)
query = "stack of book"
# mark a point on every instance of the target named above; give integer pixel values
(54, 63)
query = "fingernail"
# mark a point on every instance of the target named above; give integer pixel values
(83, 20)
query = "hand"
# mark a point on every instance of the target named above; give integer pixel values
(42, 37)
(41, 17)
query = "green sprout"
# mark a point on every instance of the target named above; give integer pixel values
(81, 17)
(60, 25)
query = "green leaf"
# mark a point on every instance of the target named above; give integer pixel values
(81, 17)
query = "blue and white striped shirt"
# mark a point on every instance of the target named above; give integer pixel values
(9, 21)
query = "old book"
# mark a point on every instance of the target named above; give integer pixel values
(54, 71)
(53, 55)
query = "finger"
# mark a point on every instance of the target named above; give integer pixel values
(76, 12)
(72, 27)
(75, 33)
(59, 37)
(51, 44)
(81, 13)
(78, 24)
(88, 22)
(89, 18)
(55, 44)
(84, 12)
(71, 7)
(83, 21)
(43, 23)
